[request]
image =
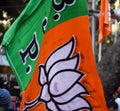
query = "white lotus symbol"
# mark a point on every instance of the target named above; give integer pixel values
(60, 81)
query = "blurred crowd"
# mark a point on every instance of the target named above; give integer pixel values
(9, 95)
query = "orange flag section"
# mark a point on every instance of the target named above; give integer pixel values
(74, 34)
(104, 20)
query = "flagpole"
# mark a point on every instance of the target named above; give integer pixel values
(93, 27)
(100, 52)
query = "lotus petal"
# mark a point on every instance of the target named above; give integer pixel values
(71, 63)
(42, 76)
(75, 105)
(52, 106)
(77, 89)
(62, 52)
(62, 81)
(44, 94)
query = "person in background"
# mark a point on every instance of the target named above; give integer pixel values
(112, 105)
(5, 98)
(114, 102)
(116, 95)
(15, 92)
(5, 101)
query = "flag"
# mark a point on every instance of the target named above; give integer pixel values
(104, 20)
(49, 49)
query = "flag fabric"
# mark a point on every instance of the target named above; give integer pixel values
(104, 20)
(49, 49)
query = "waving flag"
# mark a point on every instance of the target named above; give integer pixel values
(104, 20)
(49, 49)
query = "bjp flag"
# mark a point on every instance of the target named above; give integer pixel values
(104, 20)
(49, 49)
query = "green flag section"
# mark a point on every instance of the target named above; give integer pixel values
(23, 40)
(49, 49)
